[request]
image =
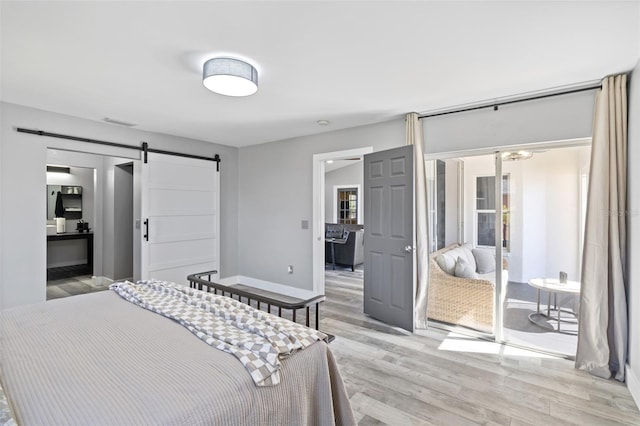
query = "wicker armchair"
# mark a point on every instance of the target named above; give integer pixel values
(461, 301)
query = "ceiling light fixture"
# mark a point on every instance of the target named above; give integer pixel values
(230, 77)
(322, 122)
(515, 156)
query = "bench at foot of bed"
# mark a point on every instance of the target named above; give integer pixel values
(262, 298)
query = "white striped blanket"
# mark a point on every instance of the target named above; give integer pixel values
(258, 339)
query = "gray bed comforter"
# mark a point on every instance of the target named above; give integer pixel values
(97, 359)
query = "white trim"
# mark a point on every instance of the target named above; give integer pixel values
(633, 384)
(334, 217)
(317, 236)
(268, 286)
(500, 287)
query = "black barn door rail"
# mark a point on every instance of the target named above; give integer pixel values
(144, 148)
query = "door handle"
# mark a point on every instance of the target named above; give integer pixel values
(146, 229)
(408, 249)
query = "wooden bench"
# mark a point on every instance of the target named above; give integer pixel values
(203, 281)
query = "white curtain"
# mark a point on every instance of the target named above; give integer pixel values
(414, 137)
(602, 335)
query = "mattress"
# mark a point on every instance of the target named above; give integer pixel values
(97, 359)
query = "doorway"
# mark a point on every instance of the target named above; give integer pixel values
(322, 162)
(98, 239)
(535, 232)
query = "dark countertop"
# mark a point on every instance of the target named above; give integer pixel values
(73, 235)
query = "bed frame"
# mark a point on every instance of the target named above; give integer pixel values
(203, 281)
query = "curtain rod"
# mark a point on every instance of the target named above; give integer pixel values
(144, 148)
(495, 105)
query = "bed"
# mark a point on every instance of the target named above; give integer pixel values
(98, 359)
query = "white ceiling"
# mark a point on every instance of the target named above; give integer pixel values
(352, 63)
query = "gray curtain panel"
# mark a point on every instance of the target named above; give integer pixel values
(602, 336)
(414, 137)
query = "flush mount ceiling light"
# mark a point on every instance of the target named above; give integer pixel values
(230, 77)
(515, 156)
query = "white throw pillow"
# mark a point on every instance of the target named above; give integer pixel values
(485, 260)
(446, 263)
(464, 269)
(468, 255)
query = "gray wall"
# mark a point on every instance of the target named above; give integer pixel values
(633, 232)
(23, 159)
(349, 175)
(107, 175)
(120, 242)
(543, 120)
(123, 222)
(275, 189)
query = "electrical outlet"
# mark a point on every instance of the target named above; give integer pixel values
(290, 269)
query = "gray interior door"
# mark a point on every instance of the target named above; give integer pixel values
(389, 285)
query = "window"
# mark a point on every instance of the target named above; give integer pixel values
(486, 211)
(348, 205)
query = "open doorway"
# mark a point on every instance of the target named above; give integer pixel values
(92, 242)
(333, 217)
(539, 206)
(344, 248)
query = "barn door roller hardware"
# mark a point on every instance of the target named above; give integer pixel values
(144, 148)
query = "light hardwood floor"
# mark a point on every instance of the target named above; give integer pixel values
(398, 379)
(73, 286)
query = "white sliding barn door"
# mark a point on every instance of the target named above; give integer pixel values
(180, 214)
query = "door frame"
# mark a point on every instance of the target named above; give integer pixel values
(498, 331)
(318, 219)
(67, 154)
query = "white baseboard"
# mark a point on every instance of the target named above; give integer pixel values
(633, 384)
(268, 286)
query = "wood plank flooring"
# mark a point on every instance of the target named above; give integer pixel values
(72, 286)
(438, 378)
